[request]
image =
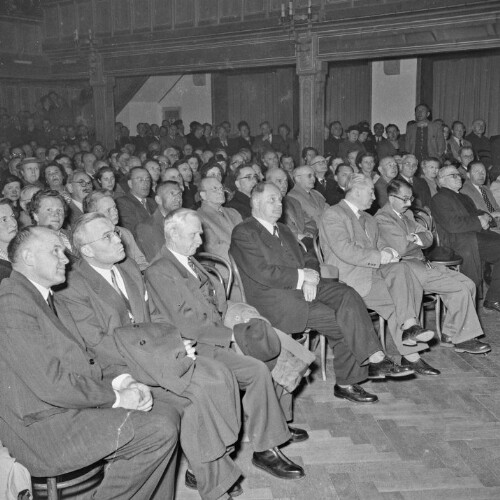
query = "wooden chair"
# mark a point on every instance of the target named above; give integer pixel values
(52, 485)
(208, 260)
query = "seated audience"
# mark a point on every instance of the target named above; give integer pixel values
(456, 140)
(466, 229)
(308, 154)
(267, 140)
(350, 240)
(388, 169)
(430, 169)
(106, 179)
(480, 143)
(154, 169)
(421, 190)
(351, 144)
(10, 188)
(312, 202)
(190, 191)
(185, 295)
(399, 231)
(136, 206)
(245, 179)
(8, 229)
(50, 375)
(332, 142)
(29, 170)
(324, 184)
(288, 290)
(79, 186)
(466, 155)
(101, 201)
(27, 194)
(150, 231)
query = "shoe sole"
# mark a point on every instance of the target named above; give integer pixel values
(265, 469)
(391, 375)
(356, 401)
(421, 337)
(299, 440)
(490, 308)
(470, 351)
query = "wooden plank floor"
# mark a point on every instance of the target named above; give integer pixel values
(427, 438)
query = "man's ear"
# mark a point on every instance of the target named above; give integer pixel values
(129, 183)
(69, 187)
(28, 257)
(86, 251)
(203, 195)
(36, 218)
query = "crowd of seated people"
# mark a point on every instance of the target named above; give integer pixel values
(101, 287)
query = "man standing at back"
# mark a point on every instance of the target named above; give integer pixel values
(55, 397)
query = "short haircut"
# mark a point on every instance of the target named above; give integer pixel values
(204, 182)
(473, 163)
(237, 170)
(61, 169)
(457, 122)
(391, 125)
(296, 170)
(357, 181)
(259, 189)
(241, 124)
(212, 163)
(89, 203)
(20, 240)
(430, 159)
(265, 122)
(423, 104)
(176, 218)
(364, 154)
(443, 172)
(395, 186)
(36, 201)
(164, 185)
(79, 228)
(463, 148)
(134, 169)
(103, 170)
(306, 149)
(180, 162)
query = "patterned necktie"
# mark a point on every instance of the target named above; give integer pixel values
(489, 206)
(50, 302)
(145, 205)
(120, 293)
(207, 289)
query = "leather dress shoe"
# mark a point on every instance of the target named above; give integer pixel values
(387, 368)
(446, 340)
(473, 346)
(354, 393)
(274, 462)
(420, 367)
(298, 435)
(492, 305)
(235, 491)
(416, 334)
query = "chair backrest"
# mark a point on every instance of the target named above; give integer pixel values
(237, 277)
(208, 260)
(317, 248)
(425, 219)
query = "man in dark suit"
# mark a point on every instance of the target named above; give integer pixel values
(421, 190)
(494, 171)
(288, 291)
(105, 292)
(221, 141)
(465, 229)
(56, 398)
(480, 143)
(399, 230)
(474, 187)
(188, 297)
(136, 206)
(8, 229)
(245, 180)
(267, 140)
(150, 232)
(79, 186)
(388, 169)
(325, 185)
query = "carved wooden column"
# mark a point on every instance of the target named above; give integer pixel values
(312, 76)
(104, 106)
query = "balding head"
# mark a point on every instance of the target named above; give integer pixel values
(304, 177)
(279, 178)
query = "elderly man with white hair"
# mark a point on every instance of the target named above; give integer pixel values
(312, 202)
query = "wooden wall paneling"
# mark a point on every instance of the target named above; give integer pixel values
(254, 6)
(8, 37)
(68, 19)
(348, 93)
(162, 16)
(219, 97)
(121, 15)
(208, 12)
(84, 14)
(142, 14)
(184, 13)
(230, 10)
(30, 39)
(51, 21)
(102, 16)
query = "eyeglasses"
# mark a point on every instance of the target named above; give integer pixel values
(82, 183)
(455, 176)
(216, 189)
(404, 200)
(107, 236)
(248, 177)
(319, 162)
(54, 211)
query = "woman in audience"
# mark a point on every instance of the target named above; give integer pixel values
(430, 169)
(366, 165)
(351, 161)
(194, 163)
(10, 189)
(8, 229)
(212, 169)
(13, 164)
(106, 178)
(27, 194)
(55, 179)
(65, 161)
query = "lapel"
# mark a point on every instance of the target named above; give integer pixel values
(135, 296)
(390, 212)
(368, 234)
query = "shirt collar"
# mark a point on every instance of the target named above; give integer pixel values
(270, 227)
(183, 259)
(42, 289)
(353, 207)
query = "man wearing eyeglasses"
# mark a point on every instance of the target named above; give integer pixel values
(399, 230)
(466, 229)
(245, 180)
(79, 186)
(421, 190)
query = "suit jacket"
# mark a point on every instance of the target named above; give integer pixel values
(471, 191)
(241, 203)
(395, 229)
(296, 219)
(436, 145)
(381, 191)
(217, 228)
(354, 251)
(457, 225)
(453, 147)
(189, 198)
(277, 144)
(215, 144)
(481, 147)
(178, 300)
(269, 270)
(132, 212)
(332, 192)
(331, 147)
(55, 397)
(150, 235)
(5, 269)
(237, 143)
(421, 191)
(313, 203)
(131, 248)
(494, 171)
(385, 148)
(74, 213)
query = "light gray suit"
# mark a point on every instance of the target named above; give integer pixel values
(313, 203)
(456, 290)
(472, 192)
(390, 289)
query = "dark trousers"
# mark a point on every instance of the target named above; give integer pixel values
(339, 313)
(489, 251)
(136, 470)
(266, 424)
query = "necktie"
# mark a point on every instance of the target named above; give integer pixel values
(489, 206)
(120, 293)
(145, 205)
(50, 302)
(460, 142)
(362, 221)
(207, 289)
(276, 232)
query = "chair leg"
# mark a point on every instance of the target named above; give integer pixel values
(381, 331)
(438, 316)
(322, 344)
(52, 493)
(422, 312)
